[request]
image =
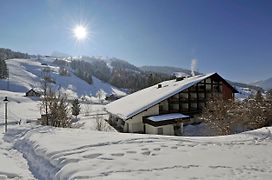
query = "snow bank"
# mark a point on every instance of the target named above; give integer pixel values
(12, 163)
(57, 153)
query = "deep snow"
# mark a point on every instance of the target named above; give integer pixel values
(56, 153)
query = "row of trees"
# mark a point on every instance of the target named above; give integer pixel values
(228, 116)
(121, 74)
(8, 54)
(55, 107)
(3, 70)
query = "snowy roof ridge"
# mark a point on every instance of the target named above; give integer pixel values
(139, 101)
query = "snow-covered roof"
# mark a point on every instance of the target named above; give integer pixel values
(165, 117)
(139, 101)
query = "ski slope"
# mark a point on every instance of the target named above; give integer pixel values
(26, 74)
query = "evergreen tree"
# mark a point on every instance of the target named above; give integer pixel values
(3, 70)
(75, 107)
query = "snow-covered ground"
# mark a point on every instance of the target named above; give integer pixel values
(12, 163)
(30, 151)
(57, 153)
(19, 107)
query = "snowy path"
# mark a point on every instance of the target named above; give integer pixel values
(12, 163)
(80, 154)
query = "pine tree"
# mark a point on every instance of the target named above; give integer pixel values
(75, 107)
(3, 70)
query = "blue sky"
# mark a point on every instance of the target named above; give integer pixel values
(233, 38)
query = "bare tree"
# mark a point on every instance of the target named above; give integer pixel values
(100, 95)
(101, 125)
(48, 94)
(54, 107)
(220, 115)
(87, 109)
(59, 111)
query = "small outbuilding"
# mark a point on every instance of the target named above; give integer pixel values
(112, 97)
(32, 93)
(163, 124)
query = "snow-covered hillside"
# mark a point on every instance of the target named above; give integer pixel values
(265, 84)
(244, 93)
(26, 74)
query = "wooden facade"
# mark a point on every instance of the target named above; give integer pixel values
(192, 100)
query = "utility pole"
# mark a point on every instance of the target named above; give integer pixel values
(6, 113)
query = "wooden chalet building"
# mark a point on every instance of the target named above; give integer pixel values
(32, 93)
(165, 107)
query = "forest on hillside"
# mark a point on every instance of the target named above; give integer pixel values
(119, 73)
(8, 54)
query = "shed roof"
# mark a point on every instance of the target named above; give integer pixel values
(165, 117)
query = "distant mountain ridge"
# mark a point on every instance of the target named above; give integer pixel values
(265, 84)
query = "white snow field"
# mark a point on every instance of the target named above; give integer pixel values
(19, 107)
(57, 153)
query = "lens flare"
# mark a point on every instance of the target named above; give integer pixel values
(80, 32)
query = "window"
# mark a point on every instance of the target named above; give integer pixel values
(201, 87)
(160, 130)
(216, 88)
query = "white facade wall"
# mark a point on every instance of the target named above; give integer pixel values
(167, 129)
(135, 124)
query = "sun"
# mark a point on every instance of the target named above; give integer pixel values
(80, 32)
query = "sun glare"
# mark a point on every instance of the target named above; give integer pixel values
(80, 32)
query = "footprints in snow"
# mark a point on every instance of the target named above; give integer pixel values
(118, 154)
(92, 156)
(153, 149)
